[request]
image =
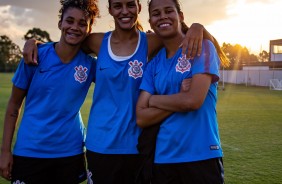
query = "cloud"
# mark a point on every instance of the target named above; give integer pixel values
(17, 17)
(228, 20)
(39, 5)
(204, 11)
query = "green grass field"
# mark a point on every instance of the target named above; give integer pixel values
(250, 123)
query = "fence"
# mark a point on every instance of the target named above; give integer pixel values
(250, 77)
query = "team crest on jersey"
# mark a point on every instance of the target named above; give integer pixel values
(135, 69)
(183, 64)
(80, 73)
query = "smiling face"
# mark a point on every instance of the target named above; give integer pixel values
(165, 20)
(125, 13)
(74, 26)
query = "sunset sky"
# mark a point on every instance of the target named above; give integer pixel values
(250, 23)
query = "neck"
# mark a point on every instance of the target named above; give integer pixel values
(122, 35)
(66, 52)
(172, 44)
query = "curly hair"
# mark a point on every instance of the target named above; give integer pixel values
(90, 8)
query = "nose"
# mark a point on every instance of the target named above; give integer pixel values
(124, 10)
(163, 15)
(75, 26)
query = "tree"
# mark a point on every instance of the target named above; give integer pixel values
(10, 54)
(238, 55)
(264, 56)
(38, 34)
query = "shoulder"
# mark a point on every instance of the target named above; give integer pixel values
(45, 47)
(96, 37)
(208, 46)
(158, 57)
(154, 44)
(45, 50)
(87, 57)
(94, 41)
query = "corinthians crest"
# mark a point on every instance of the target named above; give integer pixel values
(80, 73)
(183, 64)
(135, 69)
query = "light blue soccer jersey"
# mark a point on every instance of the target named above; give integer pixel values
(112, 125)
(51, 125)
(185, 136)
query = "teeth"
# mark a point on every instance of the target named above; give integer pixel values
(125, 19)
(164, 25)
(73, 35)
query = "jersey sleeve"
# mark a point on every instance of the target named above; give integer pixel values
(208, 62)
(23, 75)
(147, 83)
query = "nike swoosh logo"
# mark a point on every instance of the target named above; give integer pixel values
(156, 74)
(43, 71)
(102, 68)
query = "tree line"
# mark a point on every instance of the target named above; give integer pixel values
(10, 53)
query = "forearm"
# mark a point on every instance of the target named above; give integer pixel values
(10, 120)
(185, 100)
(150, 116)
(180, 102)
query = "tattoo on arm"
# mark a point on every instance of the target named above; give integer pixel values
(14, 114)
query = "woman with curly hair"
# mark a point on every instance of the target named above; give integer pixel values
(49, 146)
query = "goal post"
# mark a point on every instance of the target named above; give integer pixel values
(275, 84)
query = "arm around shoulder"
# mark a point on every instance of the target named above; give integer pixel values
(154, 44)
(30, 51)
(93, 43)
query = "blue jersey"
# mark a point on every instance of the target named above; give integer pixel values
(112, 125)
(51, 125)
(185, 136)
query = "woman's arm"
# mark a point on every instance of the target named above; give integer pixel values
(187, 100)
(30, 51)
(192, 42)
(148, 116)
(11, 117)
(91, 44)
(191, 45)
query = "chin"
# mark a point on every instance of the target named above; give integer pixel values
(74, 44)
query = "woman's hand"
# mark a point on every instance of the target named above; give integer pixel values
(6, 162)
(30, 52)
(192, 43)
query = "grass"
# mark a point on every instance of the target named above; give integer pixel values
(250, 123)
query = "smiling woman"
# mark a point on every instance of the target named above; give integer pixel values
(51, 150)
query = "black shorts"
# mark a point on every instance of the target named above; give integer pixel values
(112, 168)
(66, 170)
(200, 172)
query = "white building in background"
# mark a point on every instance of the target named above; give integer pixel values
(275, 50)
(258, 73)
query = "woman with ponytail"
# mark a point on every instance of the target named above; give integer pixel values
(178, 95)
